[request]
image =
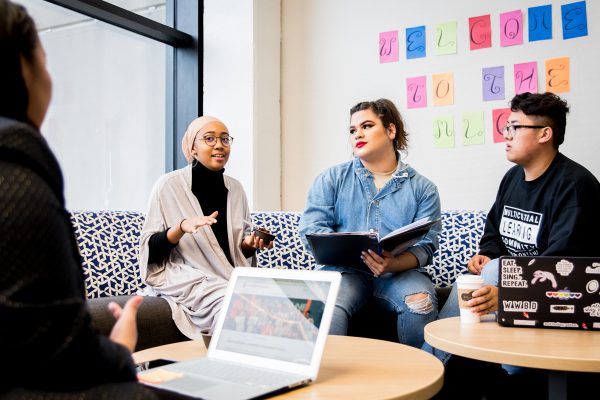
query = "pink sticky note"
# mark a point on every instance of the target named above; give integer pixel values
(499, 121)
(388, 46)
(416, 92)
(480, 32)
(511, 28)
(526, 78)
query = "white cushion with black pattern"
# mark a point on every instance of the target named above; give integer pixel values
(109, 244)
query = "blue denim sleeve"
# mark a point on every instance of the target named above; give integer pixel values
(319, 214)
(429, 206)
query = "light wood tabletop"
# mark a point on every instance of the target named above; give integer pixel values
(352, 368)
(551, 349)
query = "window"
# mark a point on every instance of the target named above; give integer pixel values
(108, 115)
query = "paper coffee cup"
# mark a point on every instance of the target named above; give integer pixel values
(466, 285)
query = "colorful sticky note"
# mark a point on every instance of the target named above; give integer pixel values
(415, 42)
(480, 32)
(511, 28)
(574, 20)
(472, 129)
(492, 83)
(388, 46)
(526, 78)
(540, 23)
(558, 79)
(416, 92)
(443, 89)
(445, 38)
(443, 131)
(499, 121)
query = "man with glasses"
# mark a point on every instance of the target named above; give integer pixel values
(546, 205)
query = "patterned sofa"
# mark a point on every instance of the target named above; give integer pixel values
(108, 243)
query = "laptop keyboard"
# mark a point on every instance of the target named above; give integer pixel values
(236, 373)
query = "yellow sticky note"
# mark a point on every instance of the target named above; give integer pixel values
(445, 38)
(443, 131)
(558, 76)
(443, 89)
(472, 128)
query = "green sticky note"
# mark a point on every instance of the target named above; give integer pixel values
(443, 131)
(472, 128)
(445, 38)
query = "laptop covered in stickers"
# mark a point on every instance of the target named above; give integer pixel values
(549, 292)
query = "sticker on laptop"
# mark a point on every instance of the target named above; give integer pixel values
(543, 276)
(561, 324)
(512, 275)
(564, 294)
(593, 269)
(564, 267)
(592, 286)
(562, 308)
(593, 310)
(524, 322)
(520, 305)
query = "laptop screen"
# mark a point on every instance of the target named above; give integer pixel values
(274, 318)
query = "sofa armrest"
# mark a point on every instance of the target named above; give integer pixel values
(154, 320)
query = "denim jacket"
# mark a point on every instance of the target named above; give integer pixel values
(344, 199)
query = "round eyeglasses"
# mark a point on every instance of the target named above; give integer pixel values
(211, 140)
(510, 131)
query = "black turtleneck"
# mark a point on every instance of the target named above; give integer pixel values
(209, 188)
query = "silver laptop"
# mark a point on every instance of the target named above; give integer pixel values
(269, 337)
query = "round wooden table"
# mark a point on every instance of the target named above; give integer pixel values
(352, 368)
(556, 350)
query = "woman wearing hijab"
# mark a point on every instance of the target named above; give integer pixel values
(197, 230)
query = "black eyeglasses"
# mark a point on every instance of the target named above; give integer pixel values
(211, 140)
(511, 130)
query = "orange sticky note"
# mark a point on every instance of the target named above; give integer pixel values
(157, 376)
(558, 76)
(443, 89)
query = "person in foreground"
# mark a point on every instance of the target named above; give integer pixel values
(377, 191)
(197, 230)
(47, 341)
(545, 193)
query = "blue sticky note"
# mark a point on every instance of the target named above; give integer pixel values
(540, 23)
(574, 20)
(415, 42)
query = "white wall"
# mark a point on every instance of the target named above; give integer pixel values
(241, 87)
(330, 61)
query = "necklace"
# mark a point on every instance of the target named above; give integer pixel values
(383, 173)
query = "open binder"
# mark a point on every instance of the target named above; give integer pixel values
(344, 248)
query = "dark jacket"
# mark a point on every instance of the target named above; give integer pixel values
(47, 341)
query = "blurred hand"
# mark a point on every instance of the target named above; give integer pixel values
(125, 330)
(192, 225)
(476, 263)
(485, 300)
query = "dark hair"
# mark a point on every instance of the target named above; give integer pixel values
(389, 114)
(550, 109)
(18, 37)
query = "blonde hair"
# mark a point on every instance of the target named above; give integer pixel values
(187, 143)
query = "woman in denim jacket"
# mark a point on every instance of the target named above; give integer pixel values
(377, 192)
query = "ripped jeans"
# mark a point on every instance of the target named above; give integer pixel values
(391, 292)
